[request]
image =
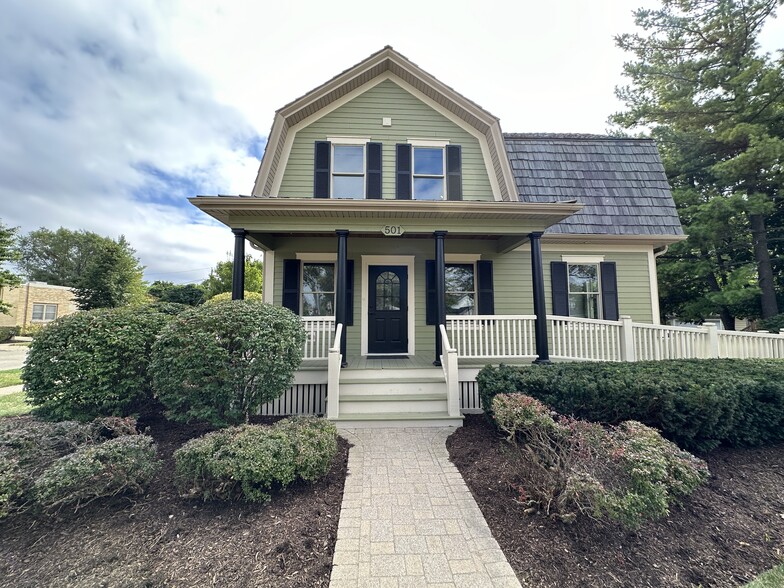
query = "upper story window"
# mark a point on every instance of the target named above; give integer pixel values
(347, 167)
(584, 291)
(429, 175)
(44, 312)
(428, 169)
(348, 171)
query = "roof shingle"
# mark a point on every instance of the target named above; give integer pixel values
(620, 181)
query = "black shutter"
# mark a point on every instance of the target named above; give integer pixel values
(609, 282)
(321, 169)
(349, 292)
(484, 282)
(291, 284)
(373, 180)
(431, 306)
(403, 172)
(454, 174)
(559, 281)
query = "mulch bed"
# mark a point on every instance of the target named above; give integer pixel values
(725, 534)
(162, 540)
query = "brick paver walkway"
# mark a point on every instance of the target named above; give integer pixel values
(408, 518)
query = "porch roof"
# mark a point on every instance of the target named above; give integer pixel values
(264, 218)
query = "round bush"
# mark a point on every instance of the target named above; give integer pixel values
(220, 362)
(251, 462)
(93, 363)
(123, 465)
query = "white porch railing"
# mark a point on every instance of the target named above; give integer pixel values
(490, 336)
(333, 375)
(320, 330)
(748, 345)
(451, 374)
(575, 338)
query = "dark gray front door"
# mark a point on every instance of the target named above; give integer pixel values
(387, 309)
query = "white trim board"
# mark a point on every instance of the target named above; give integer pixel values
(367, 261)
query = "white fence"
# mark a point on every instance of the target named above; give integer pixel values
(499, 337)
(489, 336)
(320, 330)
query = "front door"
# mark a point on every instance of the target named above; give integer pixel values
(387, 309)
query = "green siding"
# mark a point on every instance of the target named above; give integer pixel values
(411, 119)
(511, 275)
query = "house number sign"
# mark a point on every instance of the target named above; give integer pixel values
(392, 230)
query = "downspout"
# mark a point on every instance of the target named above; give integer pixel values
(661, 252)
(26, 306)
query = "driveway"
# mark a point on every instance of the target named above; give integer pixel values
(12, 356)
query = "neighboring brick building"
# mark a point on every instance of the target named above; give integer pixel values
(36, 303)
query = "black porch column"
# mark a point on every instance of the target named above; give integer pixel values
(340, 290)
(542, 353)
(238, 269)
(440, 291)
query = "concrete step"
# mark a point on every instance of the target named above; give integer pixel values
(392, 403)
(397, 420)
(350, 375)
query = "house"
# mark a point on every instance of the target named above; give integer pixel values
(36, 303)
(419, 242)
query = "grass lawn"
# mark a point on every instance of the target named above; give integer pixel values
(10, 378)
(770, 579)
(13, 404)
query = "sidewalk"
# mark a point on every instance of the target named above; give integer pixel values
(408, 518)
(10, 389)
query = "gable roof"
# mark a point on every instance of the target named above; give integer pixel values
(620, 181)
(387, 60)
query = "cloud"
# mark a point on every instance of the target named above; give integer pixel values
(106, 128)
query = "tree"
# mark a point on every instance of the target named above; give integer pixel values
(57, 257)
(714, 103)
(189, 294)
(7, 253)
(220, 277)
(111, 278)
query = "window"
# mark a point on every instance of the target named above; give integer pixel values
(583, 290)
(348, 171)
(44, 312)
(429, 173)
(460, 288)
(318, 289)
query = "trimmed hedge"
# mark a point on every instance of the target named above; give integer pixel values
(94, 363)
(251, 462)
(8, 333)
(220, 362)
(123, 465)
(699, 404)
(29, 446)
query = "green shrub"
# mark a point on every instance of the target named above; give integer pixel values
(226, 296)
(774, 324)
(251, 462)
(8, 333)
(699, 404)
(28, 446)
(122, 465)
(629, 473)
(315, 442)
(220, 362)
(93, 363)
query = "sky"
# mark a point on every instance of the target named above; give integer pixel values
(113, 113)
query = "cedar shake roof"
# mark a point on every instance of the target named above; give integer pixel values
(620, 181)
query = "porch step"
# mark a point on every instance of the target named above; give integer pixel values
(426, 403)
(397, 420)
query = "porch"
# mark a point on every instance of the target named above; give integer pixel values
(402, 389)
